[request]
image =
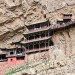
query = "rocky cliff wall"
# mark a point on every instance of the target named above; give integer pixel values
(15, 14)
(64, 40)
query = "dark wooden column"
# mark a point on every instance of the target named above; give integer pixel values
(0, 57)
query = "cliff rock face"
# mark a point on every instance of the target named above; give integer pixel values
(15, 14)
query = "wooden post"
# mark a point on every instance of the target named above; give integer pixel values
(28, 38)
(1, 57)
(39, 50)
(33, 45)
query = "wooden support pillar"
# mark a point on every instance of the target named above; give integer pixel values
(39, 51)
(39, 35)
(48, 32)
(27, 55)
(28, 38)
(28, 46)
(34, 27)
(34, 36)
(45, 43)
(0, 57)
(45, 33)
(15, 50)
(33, 45)
(39, 46)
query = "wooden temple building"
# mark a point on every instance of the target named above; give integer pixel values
(12, 55)
(37, 38)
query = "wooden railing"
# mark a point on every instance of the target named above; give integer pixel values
(37, 30)
(38, 39)
(63, 25)
(37, 49)
(16, 54)
(20, 54)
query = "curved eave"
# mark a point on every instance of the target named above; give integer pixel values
(35, 31)
(36, 23)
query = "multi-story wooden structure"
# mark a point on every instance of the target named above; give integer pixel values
(13, 55)
(37, 38)
(3, 56)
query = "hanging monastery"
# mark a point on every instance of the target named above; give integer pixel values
(37, 43)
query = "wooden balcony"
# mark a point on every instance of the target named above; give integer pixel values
(37, 30)
(38, 39)
(20, 54)
(16, 55)
(37, 50)
(2, 52)
(63, 25)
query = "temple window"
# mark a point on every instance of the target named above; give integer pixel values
(37, 26)
(31, 37)
(30, 46)
(37, 35)
(19, 51)
(67, 17)
(2, 56)
(36, 45)
(42, 44)
(42, 34)
(12, 52)
(31, 27)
